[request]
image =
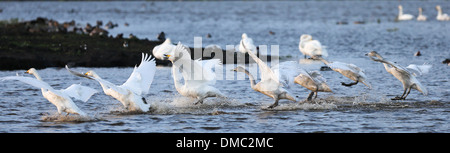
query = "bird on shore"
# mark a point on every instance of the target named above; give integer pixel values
(403, 17)
(350, 71)
(130, 94)
(404, 75)
(269, 84)
(60, 98)
(310, 47)
(441, 16)
(199, 78)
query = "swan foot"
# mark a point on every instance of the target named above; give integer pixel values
(143, 99)
(349, 84)
(272, 106)
(199, 102)
(398, 98)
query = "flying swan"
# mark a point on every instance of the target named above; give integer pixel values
(60, 98)
(130, 93)
(404, 75)
(269, 84)
(310, 47)
(199, 79)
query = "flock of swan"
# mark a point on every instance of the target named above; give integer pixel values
(199, 77)
(440, 16)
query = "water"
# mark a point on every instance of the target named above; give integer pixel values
(347, 109)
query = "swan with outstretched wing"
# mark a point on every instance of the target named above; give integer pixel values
(130, 94)
(60, 98)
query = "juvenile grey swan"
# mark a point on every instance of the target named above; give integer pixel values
(404, 75)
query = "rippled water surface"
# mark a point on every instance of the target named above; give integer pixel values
(347, 109)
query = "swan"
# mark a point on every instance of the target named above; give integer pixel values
(350, 71)
(404, 75)
(290, 72)
(310, 47)
(440, 16)
(269, 84)
(60, 98)
(130, 93)
(421, 17)
(402, 16)
(199, 79)
(313, 81)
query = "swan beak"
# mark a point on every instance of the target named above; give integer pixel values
(28, 72)
(367, 54)
(86, 73)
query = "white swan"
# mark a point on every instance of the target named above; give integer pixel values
(310, 47)
(440, 16)
(402, 16)
(404, 75)
(248, 42)
(130, 94)
(199, 79)
(60, 98)
(350, 71)
(269, 84)
(421, 17)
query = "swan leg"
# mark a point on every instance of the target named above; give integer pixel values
(349, 84)
(401, 97)
(316, 95)
(310, 96)
(143, 99)
(275, 104)
(409, 90)
(200, 100)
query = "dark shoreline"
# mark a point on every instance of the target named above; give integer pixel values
(43, 43)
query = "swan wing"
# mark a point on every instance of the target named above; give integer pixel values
(141, 79)
(204, 69)
(246, 45)
(418, 69)
(285, 72)
(266, 72)
(78, 73)
(31, 81)
(79, 92)
(317, 77)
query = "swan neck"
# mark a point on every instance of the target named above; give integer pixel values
(252, 79)
(176, 80)
(324, 61)
(36, 74)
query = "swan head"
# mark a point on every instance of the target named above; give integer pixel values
(165, 51)
(305, 37)
(31, 71)
(400, 7)
(372, 54)
(239, 69)
(244, 36)
(91, 74)
(438, 7)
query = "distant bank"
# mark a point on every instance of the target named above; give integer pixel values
(42, 43)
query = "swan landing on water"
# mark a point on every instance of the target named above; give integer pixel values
(269, 84)
(59, 98)
(130, 93)
(404, 75)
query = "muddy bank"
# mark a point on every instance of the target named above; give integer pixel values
(45, 43)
